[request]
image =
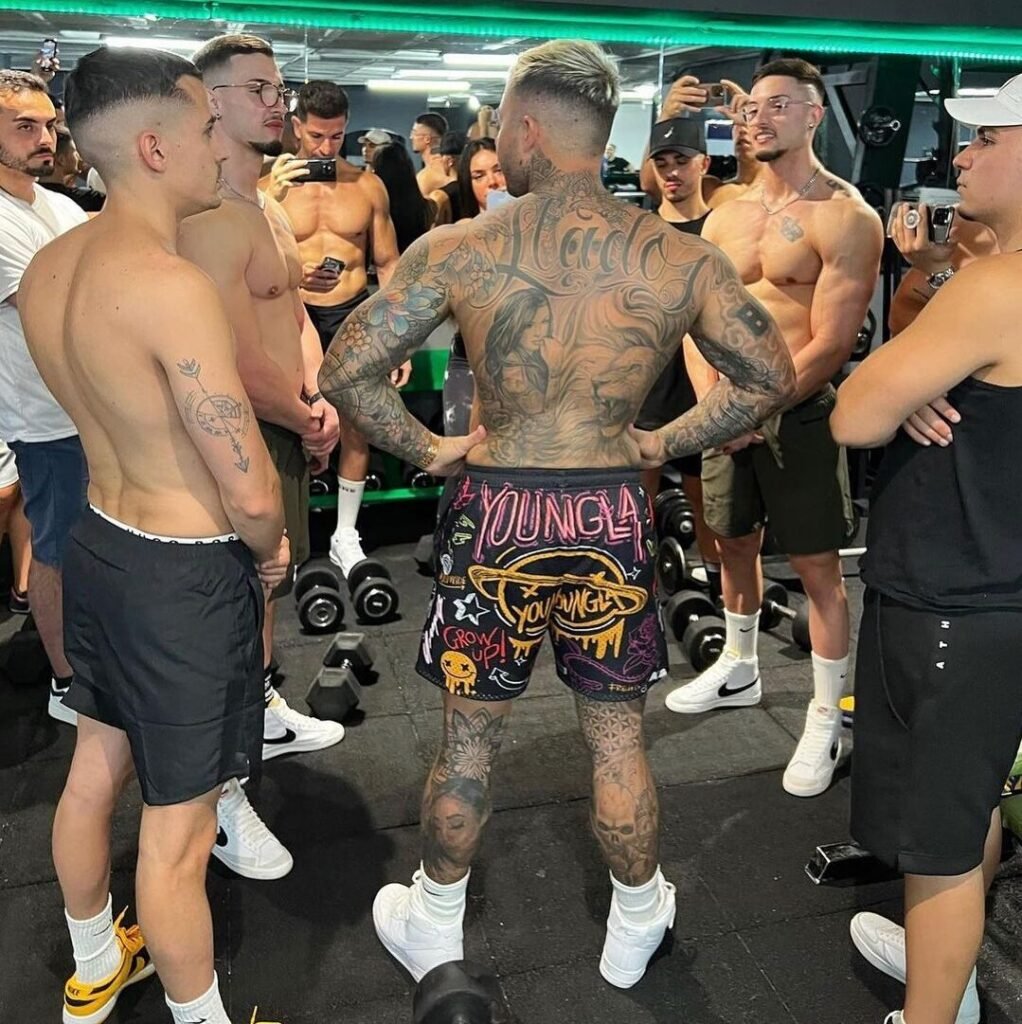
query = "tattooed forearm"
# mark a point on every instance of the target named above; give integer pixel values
(456, 803)
(217, 415)
(625, 813)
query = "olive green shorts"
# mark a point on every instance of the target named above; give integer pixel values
(796, 483)
(287, 454)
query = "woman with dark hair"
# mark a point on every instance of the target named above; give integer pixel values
(412, 214)
(479, 174)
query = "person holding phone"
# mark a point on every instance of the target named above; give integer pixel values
(339, 215)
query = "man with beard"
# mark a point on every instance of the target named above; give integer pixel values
(346, 220)
(246, 246)
(808, 246)
(54, 476)
(566, 326)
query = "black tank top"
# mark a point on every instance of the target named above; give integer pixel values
(944, 527)
(454, 195)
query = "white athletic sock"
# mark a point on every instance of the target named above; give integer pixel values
(208, 1008)
(829, 680)
(97, 954)
(349, 501)
(741, 633)
(639, 902)
(445, 904)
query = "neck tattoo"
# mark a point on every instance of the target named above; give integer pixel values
(794, 199)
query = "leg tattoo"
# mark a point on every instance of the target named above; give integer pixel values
(625, 813)
(456, 804)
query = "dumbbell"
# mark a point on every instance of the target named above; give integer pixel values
(416, 478)
(376, 475)
(337, 688)
(775, 608)
(456, 992)
(322, 485)
(671, 569)
(674, 516)
(696, 625)
(372, 593)
(424, 555)
(318, 595)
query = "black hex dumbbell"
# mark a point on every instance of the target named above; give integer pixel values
(456, 992)
(674, 516)
(671, 570)
(373, 595)
(424, 555)
(776, 608)
(337, 688)
(416, 478)
(318, 595)
(696, 625)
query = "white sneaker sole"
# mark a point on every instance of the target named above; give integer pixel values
(266, 874)
(805, 788)
(399, 954)
(298, 746)
(58, 711)
(101, 1015)
(743, 699)
(626, 979)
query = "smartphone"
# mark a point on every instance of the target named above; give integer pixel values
(332, 265)
(48, 54)
(942, 219)
(716, 94)
(320, 170)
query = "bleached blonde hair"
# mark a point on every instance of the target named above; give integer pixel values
(573, 73)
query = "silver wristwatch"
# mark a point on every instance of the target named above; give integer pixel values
(941, 277)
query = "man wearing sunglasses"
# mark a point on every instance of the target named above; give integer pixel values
(808, 247)
(247, 247)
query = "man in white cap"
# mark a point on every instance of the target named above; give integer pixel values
(938, 713)
(371, 142)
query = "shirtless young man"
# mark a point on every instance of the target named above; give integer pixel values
(571, 303)
(162, 595)
(246, 247)
(425, 138)
(808, 247)
(347, 220)
(938, 714)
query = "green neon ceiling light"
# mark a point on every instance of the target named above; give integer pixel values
(611, 25)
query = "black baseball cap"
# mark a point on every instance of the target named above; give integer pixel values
(682, 135)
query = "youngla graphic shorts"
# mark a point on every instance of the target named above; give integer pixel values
(525, 552)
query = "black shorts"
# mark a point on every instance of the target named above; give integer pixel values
(328, 320)
(671, 396)
(938, 718)
(165, 642)
(523, 552)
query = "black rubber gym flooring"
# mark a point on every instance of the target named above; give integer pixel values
(754, 943)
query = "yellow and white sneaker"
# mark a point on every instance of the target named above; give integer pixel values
(254, 1021)
(86, 1003)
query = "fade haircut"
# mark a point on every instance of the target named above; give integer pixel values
(436, 123)
(217, 53)
(20, 81)
(106, 79)
(794, 67)
(321, 99)
(575, 74)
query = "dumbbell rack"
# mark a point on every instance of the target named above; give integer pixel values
(427, 376)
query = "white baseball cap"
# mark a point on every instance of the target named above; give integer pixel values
(1001, 111)
(376, 136)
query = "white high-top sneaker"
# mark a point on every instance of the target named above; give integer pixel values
(818, 753)
(628, 947)
(414, 939)
(286, 731)
(882, 943)
(730, 682)
(243, 842)
(56, 708)
(346, 549)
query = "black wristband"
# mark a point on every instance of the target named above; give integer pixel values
(313, 398)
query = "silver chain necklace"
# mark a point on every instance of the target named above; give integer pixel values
(258, 201)
(801, 192)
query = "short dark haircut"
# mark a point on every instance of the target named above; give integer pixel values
(321, 99)
(452, 143)
(220, 49)
(469, 203)
(794, 67)
(109, 78)
(18, 81)
(436, 123)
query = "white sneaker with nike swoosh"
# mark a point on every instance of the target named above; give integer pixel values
(243, 842)
(811, 768)
(882, 943)
(286, 731)
(730, 682)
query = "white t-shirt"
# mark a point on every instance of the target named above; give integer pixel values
(28, 411)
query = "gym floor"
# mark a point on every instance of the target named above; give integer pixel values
(754, 942)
